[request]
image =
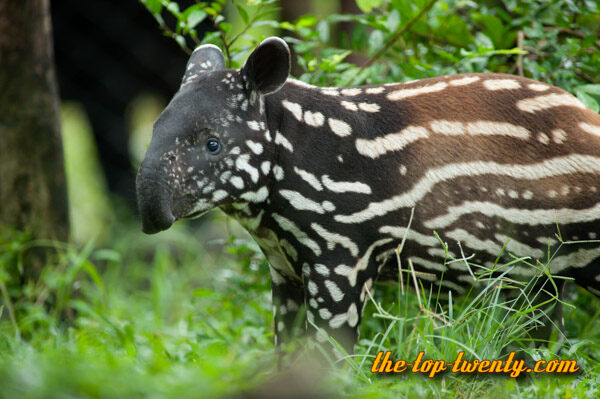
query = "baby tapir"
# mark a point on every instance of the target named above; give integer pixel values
(325, 179)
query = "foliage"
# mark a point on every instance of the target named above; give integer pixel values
(555, 41)
(169, 317)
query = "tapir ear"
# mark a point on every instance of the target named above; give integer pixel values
(205, 58)
(268, 66)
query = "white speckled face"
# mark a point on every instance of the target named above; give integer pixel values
(209, 144)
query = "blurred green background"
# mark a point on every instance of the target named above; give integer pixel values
(187, 312)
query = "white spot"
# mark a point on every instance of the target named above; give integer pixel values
(552, 193)
(237, 182)
(309, 178)
(464, 81)
(513, 194)
(312, 288)
(325, 314)
(256, 196)
(406, 93)
(552, 100)
(527, 195)
(281, 140)
(375, 90)
(391, 142)
(315, 119)
(351, 92)
(369, 107)
(501, 84)
(265, 166)
(339, 127)
(278, 172)
(340, 158)
(330, 91)
(294, 108)
(559, 136)
(255, 147)
(403, 170)
(543, 138)
(350, 106)
(538, 87)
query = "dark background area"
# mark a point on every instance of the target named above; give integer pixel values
(107, 53)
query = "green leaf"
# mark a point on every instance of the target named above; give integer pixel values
(195, 17)
(323, 29)
(590, 89)
(155, 6)
(174, 9)
(307, 21)
(367, 5)
(587, 100)
(243, 13)
(393, 20)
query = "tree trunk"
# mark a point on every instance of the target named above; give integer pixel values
(33, 194)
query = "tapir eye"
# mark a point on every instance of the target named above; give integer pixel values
(213, 146)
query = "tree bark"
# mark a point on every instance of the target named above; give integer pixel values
(33, 194)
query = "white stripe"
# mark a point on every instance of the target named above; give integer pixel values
(345, 186)
(541, 103)
(427, 263)
(301, 236)
(405, 93)
(447, 127)
(352, 272)
(501, 84)
(353, 91)
(464, 81)
(548, 168)
(591, 129)
(400, 232)
(391, 142)
(334, 239)
(514, 215)
(301, 203)
(519, 248)
(336, 294)
(497, 128)
(580, 258)
(309, 178)
(281, 140)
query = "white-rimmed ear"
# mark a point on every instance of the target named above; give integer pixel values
(268, 67)
(205, 58)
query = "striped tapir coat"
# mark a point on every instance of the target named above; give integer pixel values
(325, 179)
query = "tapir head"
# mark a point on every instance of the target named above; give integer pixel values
(209, 143)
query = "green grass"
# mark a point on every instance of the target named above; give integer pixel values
(174, 316)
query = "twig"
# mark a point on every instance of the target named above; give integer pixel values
(395, 37)
(570, 32)
(520, 37)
